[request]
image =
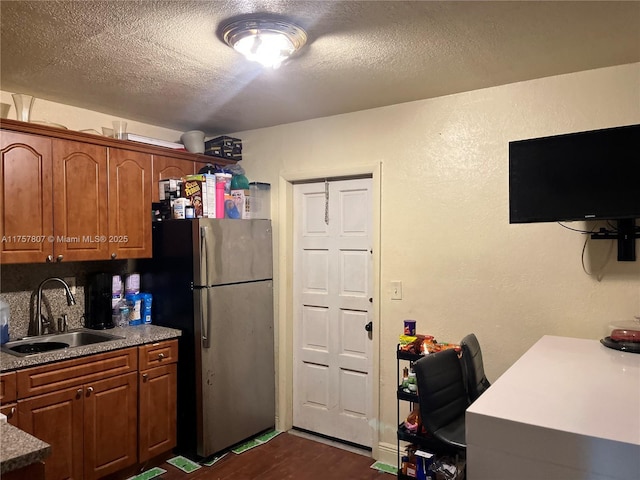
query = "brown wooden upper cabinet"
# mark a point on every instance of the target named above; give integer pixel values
(69, 201)
(129, 204)
(167, 167)
(72, 196)
(26, 225)
(79, 201)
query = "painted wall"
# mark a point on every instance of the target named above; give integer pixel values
(444, 219)
(444, 229)
(79, 119)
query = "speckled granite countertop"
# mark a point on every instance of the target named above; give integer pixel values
(19, 449)
(132, 336)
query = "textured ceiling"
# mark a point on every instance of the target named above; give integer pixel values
(162, 62)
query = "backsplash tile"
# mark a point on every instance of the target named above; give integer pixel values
(19, 284)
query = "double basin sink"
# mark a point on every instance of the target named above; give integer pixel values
(56, 341)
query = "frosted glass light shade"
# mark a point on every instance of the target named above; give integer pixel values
(267, 42)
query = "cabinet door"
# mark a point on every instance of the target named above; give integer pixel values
(80, 201)
(26, 212)
(110, 425)
(8, 388)
(129, 204)
(158, 414)
(56, 418)
(167, 167)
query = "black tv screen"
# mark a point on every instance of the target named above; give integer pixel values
(577, 176)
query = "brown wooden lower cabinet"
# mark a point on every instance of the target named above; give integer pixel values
(157, 411)
(110, 431)
(56, 418)
(99, 413)
(92, 429)
(35, 471)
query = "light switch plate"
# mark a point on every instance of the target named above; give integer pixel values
(396, 290)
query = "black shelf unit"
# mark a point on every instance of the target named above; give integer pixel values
(412, 398)
(403, 435)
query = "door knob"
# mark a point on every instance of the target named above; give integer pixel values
(369, 327)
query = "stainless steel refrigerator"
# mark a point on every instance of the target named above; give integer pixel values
(212, 278)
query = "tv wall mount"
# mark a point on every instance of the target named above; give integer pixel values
(626, 234)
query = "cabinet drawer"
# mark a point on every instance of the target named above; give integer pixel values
(159, 353)
(69, 373)
(7, 387)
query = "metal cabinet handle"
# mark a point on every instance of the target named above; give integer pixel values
(144, 377)
(11, 413)
(49, 258)
(160, 356)
(113, 256)
(59, 258)
(79, 393)
(89, 390)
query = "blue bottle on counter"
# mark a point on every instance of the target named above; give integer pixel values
(134, 300)
(146, 307)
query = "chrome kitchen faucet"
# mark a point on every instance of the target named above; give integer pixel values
(39, 323)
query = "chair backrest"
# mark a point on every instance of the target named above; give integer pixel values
(477, 381)
(441, 389)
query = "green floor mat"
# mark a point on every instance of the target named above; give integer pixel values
(386, 468)
(256, 442)
(214, 460)
(183, 464)
(149, 474)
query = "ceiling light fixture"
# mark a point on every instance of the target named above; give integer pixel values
(269, 42)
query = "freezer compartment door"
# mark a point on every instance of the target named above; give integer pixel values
(238, 367)
(233, 251)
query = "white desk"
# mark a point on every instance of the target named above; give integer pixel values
(568, 409)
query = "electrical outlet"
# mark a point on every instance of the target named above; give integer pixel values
(71, 281)
(396, 290)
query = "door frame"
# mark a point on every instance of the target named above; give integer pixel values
(284, 372)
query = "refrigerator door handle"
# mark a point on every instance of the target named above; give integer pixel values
(204, 302)
(204, 257)
(204, 317)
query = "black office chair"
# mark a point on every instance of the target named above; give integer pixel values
(443, 400)
(477, 381)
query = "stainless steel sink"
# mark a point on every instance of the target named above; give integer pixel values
(56, 341)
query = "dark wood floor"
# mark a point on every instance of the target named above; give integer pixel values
(286, 456)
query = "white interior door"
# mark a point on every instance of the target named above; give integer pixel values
(333, 285)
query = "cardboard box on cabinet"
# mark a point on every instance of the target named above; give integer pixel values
(200, 190)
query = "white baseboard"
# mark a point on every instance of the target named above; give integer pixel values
(388, 453)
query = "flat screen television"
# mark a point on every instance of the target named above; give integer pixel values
(578, 176)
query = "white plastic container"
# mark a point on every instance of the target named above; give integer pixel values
(179, 208)
(260, 200)
(4, 322)
(132, 284)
